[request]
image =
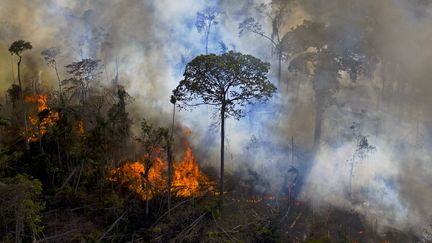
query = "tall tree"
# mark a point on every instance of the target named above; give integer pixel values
(314, 49)
(229, 81)
(50, 55)
(170, 143)
(204, 22)
(276, 14)
(17, 48)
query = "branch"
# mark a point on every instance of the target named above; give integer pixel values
(49, 238)
(168, 211)
(295, 220)
(68, 179)
(190, 227)
(203, 103)
(232, 238)
(265, 36)
(112, 226)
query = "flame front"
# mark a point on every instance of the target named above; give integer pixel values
(132, 175)
(80, 127)
(187, 178)
(40, 122)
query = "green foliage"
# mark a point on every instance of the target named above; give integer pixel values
(114, 201)
(153, 141)
(152, 137)
(263, 231)
(20, 207)
(231, 80)
(118, 120)
(94, 236)
(324, 239)
(7, 161)
(4, 122)
(14, 94)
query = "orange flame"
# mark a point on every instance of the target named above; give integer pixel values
(39, 126)
(187, 178)
(132, 175)
(80, 127)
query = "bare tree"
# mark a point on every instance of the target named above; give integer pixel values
(275, 13)
(84, 73)
(50, 55)
(204, 22)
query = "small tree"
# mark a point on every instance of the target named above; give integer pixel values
(229, 82)
(119, 121)
(17, 48)
(153, 141)
(50, 55)
(204, 22)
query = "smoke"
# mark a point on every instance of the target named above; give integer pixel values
(149, 42)
(389, 185)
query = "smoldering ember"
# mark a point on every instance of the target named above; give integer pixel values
(215, 121)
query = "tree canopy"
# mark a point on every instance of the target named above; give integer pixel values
(230, 79)
(19, 46)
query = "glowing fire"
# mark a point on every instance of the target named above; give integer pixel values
(44, 118)
(80, 127)
(132, 175)
(187, 178)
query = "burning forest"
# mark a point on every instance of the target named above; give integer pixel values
(215, 121)
(187, 180)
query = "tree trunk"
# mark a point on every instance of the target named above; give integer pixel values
(207, 34)
(147, 194)
(280, 65)
(206, 43)
(221, 191)
(318, 120)
(22, 105)
(79, 177)
(170, 161)
(59, 82)
(292, 150)
(58, 152)
(40, 139)
(19, 218)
